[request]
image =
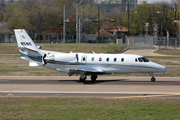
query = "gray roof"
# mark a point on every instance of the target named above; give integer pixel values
(4, 29)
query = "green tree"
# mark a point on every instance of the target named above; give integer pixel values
(25, 15)
(149, 13)
(91, 11)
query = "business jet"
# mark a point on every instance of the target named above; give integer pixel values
(84, 64)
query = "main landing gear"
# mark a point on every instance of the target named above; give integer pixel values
(93, 77)
(153, 79)
(83, 77)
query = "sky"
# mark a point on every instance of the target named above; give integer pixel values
(152, 1)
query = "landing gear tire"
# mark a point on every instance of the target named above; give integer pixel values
(153, 79)
(82, 80)
(93, 77)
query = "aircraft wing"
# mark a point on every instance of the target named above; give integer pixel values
(86, 71)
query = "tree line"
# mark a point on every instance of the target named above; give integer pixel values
(24, 14)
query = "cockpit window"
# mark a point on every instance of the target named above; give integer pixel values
(140, 60)
(136, 60)
(144, 59)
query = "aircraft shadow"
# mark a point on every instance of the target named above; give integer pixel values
(102, 81)
(129, 82)
(89, 81)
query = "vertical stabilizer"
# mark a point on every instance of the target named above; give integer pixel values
(24, 41)
(27, 48)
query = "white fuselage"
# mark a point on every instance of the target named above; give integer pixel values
(82, 63)
(106, 63)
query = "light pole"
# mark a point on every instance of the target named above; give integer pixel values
(128, 17)
(64, 17)
(175, 12)
(77, 26)
(167, 33)
(165, 16)
(39, 26)
(130, 32)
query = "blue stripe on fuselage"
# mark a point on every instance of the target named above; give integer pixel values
(31, 57)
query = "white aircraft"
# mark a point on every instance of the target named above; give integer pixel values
(85, 64)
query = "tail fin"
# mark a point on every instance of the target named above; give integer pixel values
(24, 41)
(27, 48)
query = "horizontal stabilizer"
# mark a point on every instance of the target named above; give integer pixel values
(33, 64)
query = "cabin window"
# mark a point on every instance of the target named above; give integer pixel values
(107, 59)
(136, 60)
(122, 59)
(84, 58)
(100, 59)
(92, 59)
(115, 59)
(140, 60)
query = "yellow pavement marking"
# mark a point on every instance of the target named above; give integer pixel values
(148, 96)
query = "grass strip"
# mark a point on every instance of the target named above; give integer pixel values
(168, 52)
(12, 48)
(88, 108)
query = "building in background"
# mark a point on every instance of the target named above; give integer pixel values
(108, 5)
(141, 2)
(5, 2)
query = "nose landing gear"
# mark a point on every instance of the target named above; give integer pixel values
(153, 79)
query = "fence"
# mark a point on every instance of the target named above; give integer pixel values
(152, 42)
(139, 43)
(131, 42)
(164, 43)
(44, 38)
(58, 38)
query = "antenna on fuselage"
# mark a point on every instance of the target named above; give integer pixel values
(93, 52)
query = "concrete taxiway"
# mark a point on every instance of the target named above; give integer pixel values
(105, 86)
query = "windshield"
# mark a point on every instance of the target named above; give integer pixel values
(144, 59)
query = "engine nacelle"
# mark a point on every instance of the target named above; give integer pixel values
(68, 57)
(50, 58)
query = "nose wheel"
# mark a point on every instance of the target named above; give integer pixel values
(153, 79)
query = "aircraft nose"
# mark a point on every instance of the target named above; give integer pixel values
(162, 68)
